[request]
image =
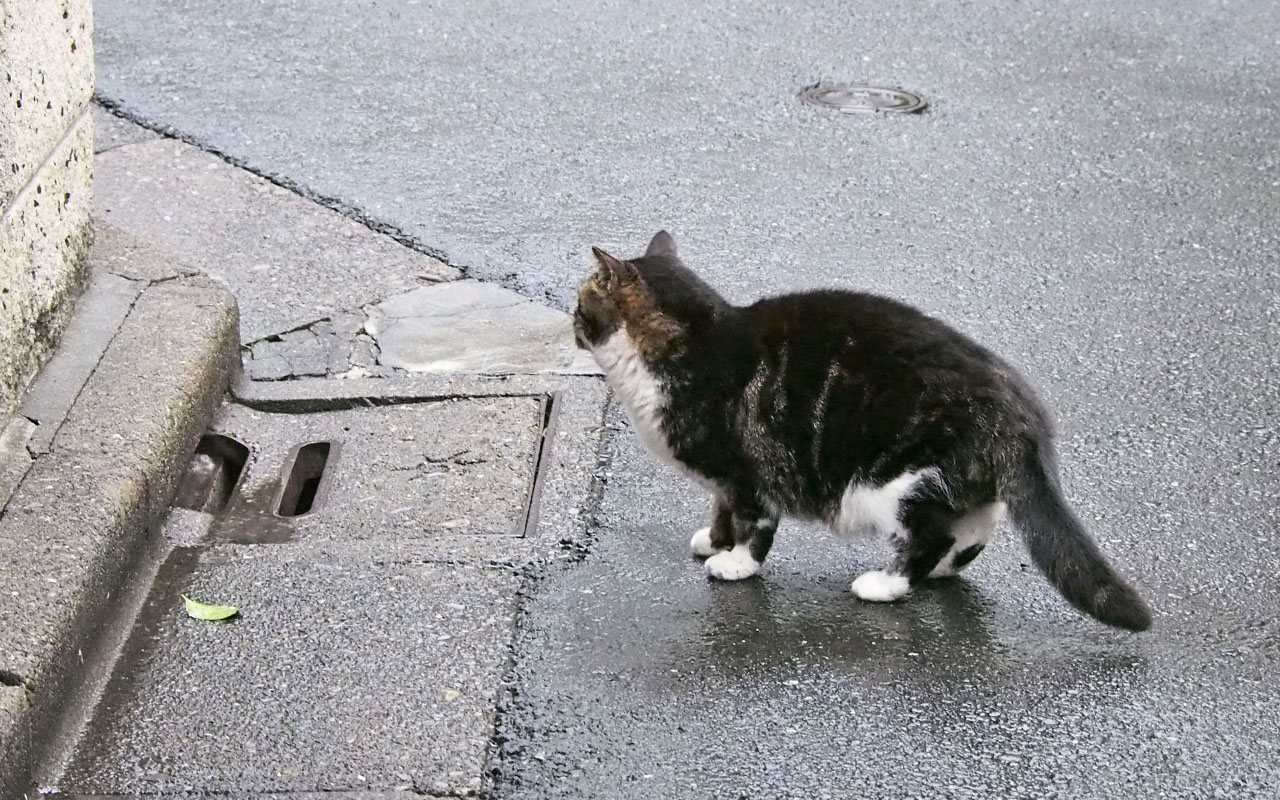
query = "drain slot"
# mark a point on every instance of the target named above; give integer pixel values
(212, 475)
(302, 488)
(541, 464)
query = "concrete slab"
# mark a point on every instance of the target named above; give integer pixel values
(15, 721)
(127, 256)
(82, 514)
(15, 459)
(398, 472)
(101, 310)
(110, 130)
(569, 478)
(474, 327)
(338, 675)
(288, 260)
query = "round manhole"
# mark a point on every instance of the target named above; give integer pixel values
(862, 99)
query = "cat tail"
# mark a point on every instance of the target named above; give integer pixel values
(1064, 551)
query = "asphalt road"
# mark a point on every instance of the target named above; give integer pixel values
(1094, 192)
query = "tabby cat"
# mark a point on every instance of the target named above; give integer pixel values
(844, 407)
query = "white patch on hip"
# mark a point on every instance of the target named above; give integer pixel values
(701, 545)
(733, 565)
(880, 587)
(874, 509)
(973, 528)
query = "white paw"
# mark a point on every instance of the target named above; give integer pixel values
(732, 565)
(879, 586)
(700, 544)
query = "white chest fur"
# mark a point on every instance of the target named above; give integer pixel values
(640, 391)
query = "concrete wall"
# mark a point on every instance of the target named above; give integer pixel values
(46, 161)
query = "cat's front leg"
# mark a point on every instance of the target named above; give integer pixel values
(753, 530)
(718, 535)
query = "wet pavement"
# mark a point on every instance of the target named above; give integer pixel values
(639, 678)
(1092, 192)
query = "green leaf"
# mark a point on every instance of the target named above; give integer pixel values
(201, 611)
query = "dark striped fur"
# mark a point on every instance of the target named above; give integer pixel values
(782, 407)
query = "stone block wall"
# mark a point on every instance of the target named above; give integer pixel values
(46, 163)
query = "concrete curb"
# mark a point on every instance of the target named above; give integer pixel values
(86, 510)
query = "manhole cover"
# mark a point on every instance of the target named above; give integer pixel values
(862, 99)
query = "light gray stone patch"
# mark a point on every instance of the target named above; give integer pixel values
(468, 326)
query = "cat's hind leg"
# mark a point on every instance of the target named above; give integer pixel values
(717, 536)
(753, 537)
(921, 541)
(970, 535)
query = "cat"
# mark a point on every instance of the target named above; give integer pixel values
(849, 408)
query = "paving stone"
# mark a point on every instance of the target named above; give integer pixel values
(348, 322)
(305, 354)
(111, 131)
(363, 352)
(268, 368)
(339, 352)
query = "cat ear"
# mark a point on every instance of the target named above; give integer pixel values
(661, 245)
(614, 271)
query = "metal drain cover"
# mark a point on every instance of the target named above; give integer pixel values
(862, 99)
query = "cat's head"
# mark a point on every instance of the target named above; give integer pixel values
(655, 300)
